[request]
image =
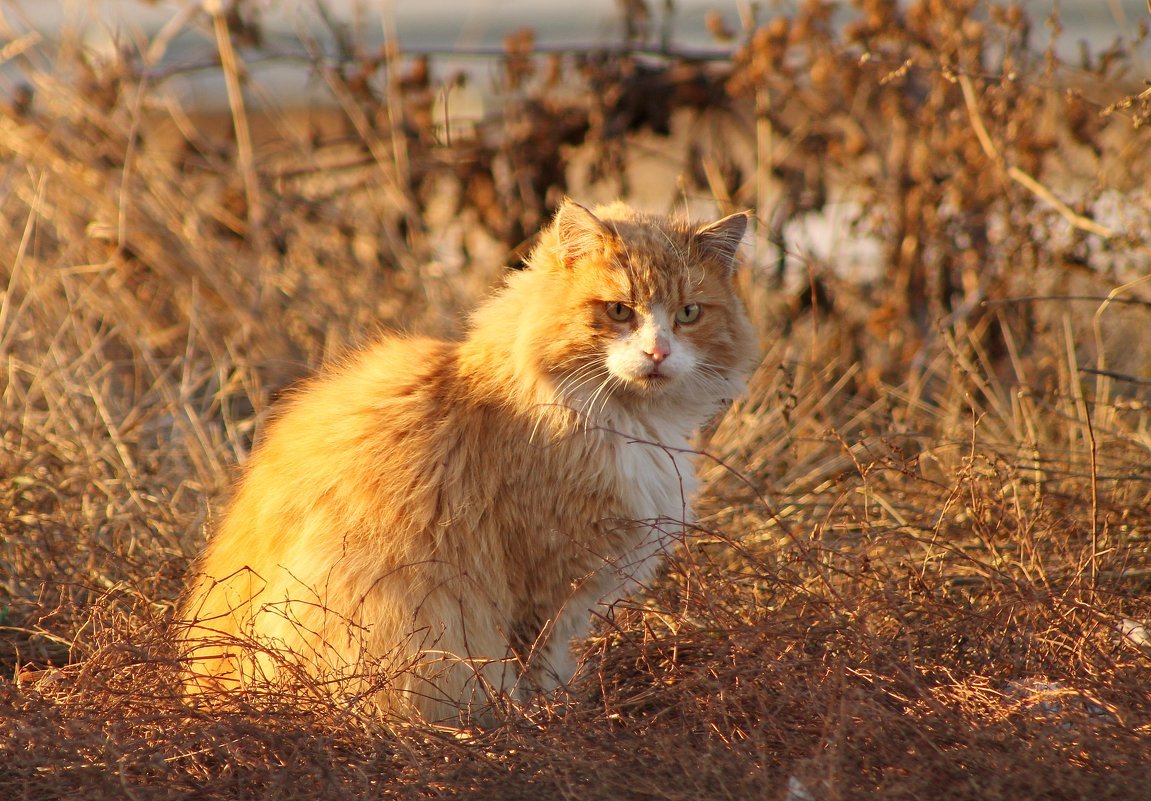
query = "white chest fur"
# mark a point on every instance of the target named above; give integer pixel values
(655, 481)
(656, 476)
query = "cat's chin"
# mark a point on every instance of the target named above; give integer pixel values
(654, 382)
(646, 382)
(650, 385)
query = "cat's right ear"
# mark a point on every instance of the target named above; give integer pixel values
(579, 232)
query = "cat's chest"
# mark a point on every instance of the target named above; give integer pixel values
(654, 477)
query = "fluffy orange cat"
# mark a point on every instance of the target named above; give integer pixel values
(431, 523)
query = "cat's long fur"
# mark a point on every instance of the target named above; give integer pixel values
(438, 518)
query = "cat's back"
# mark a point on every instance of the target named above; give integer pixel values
(351, 409)
(350, 440)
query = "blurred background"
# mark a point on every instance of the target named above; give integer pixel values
(922, 567)
(465, 35)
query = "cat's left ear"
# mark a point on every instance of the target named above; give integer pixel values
(720, 240)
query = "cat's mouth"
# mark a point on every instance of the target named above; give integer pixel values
(653, 379)
(645, 379)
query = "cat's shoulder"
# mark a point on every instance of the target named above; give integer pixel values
(407, 352)
(391, 367)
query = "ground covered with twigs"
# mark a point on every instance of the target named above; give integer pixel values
(922, 565)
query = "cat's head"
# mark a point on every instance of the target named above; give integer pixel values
(638, 308)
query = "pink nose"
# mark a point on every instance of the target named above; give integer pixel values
(658, 351)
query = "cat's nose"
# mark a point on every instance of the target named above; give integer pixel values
(658, 350)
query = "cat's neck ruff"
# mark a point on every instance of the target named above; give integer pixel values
(651, 459)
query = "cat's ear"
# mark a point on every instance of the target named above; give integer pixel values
(721, 240)
(579, 232)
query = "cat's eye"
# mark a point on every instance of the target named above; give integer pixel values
(620, 312)
(687, 314)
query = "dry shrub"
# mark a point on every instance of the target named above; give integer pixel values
(922, 563)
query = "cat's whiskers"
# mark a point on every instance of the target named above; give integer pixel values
(709, 366)
(713, 389)
(709, 376)
(578, 356)
(582, 403)
(565, 390)
(589, 407)
(571, 383)
(613, 382)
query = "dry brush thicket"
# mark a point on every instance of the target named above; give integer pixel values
(922, 567)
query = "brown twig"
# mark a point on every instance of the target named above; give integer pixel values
(244, 152)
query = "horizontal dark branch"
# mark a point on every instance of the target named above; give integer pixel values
(1118, 376)
(1094, 298)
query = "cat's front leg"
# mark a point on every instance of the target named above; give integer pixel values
(549, 660)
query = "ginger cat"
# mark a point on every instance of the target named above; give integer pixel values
(430, 523)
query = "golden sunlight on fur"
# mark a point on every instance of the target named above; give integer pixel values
(429, 524)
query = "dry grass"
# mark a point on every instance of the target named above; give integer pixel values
(923, 565)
